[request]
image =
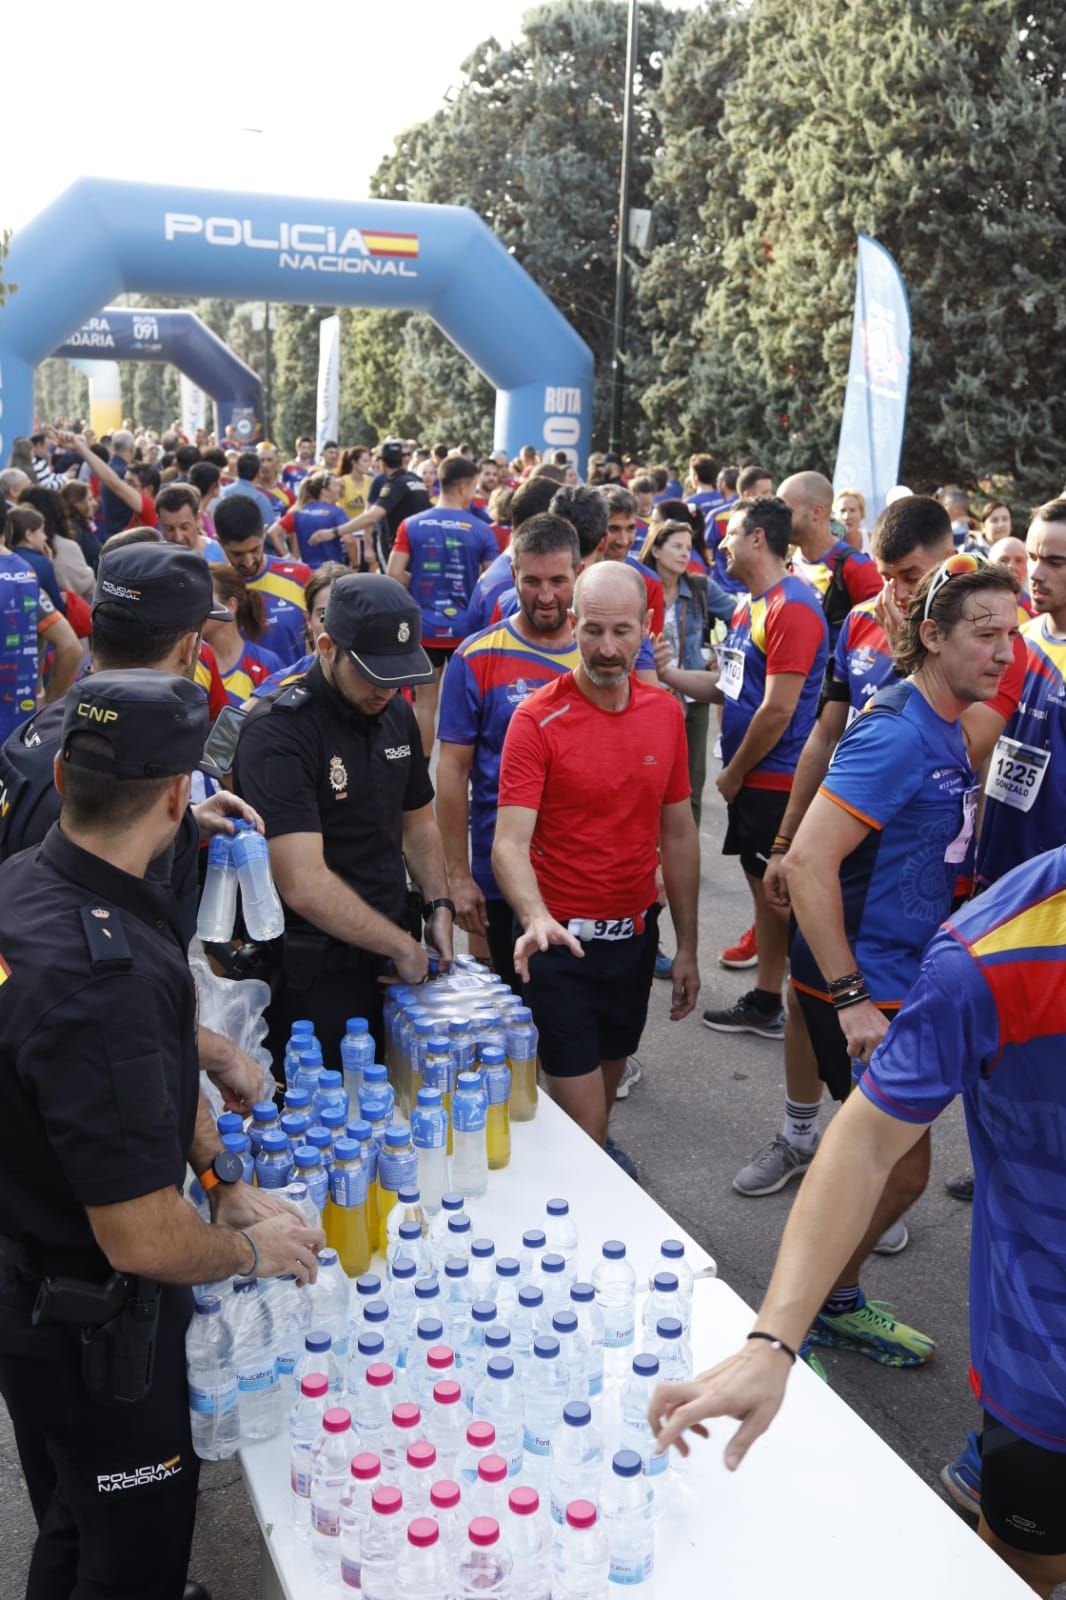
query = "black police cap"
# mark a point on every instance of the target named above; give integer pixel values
(155, 724)
(393, 452)
(158, 587)
(376, 622)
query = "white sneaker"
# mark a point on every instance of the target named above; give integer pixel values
(632, 1073)
(718, 748)
(893, 1240)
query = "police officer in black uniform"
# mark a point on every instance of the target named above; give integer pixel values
(395, 493)
(334, 765)
(100, 1089)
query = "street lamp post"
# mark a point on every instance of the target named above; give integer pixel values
(618, 355)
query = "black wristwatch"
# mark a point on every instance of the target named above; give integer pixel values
(436, 905)
(227, 1167)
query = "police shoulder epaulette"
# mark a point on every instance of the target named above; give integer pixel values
(109, 949)
(294, 697)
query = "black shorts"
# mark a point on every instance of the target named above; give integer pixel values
(755, 818)
(593, 1009)
(1023, 1490)
(500, 937)
(827, 1041)
(439, 655)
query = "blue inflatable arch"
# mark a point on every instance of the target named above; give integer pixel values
(119, 333)
(101, 238)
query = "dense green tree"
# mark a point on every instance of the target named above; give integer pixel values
(531, 140)
(372, 377)
(60, 391)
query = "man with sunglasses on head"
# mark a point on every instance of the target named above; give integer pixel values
(395, 494)
(872, 872)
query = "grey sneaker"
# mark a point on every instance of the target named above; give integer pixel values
(772, 1167)
(745, 1017)
(893, 1240)
(632, 1073)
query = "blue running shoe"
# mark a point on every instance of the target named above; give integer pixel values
(962, 1477)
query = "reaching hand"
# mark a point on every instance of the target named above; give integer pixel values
(748, 1386)
(542, 931)
(216, 814)
(863, 1027)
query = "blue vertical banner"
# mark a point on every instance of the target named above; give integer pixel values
(875, 405)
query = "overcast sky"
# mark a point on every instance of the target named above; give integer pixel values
(112, 93)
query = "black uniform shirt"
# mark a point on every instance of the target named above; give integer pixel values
(310, 763)
(99, 1077)
(400, 494)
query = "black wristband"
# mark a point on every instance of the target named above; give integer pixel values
(855, 998)
(852, 980)
(775, 1343)
(438, 905)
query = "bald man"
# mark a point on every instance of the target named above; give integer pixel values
(822, 557)
(594, 791)
(1012, 554)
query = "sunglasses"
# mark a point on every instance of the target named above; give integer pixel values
(954, 567)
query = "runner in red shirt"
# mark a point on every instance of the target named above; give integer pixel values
(593, 790)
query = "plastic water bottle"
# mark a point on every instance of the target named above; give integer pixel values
(294, 1125)
(573, 1354)
(582, 1560)
(258, 1394)
(264, 1118)
(273, 1164)
(497, 1080)
(357, 1053)
(576, 1460)
(318, 1359)
(554, 1282)
(404, 1303)
(504, 1288)
(480, 1441)
(291, 1311)
(439, 1364)
(458, 1295)
(498, 1399)
(446, 1509)
(438, 1071)
(330, 1301)
(527, 1534)
(560, 1232)
(305, 1427)
(408, 1208)
(526, 1322)
(446, 1424)
(263, 914)
(310, 1064)
(458, 1237)
(615, 1284)
(321, 1139)
(545, 1396)
(373, 1407)
(451, 1204)
(367, 1349)
(377, 1318)
(346, 1223)
(470, 1163)
(408, 1246)
(381, 1543)
(377, 1102)
(483, 1269)
(469, 1342)
(330, 1095)
(629, 1526)
(301, 1034)
(361, 1131)
(462, 1045)
(590, 1327)
(636, 1429)
(488, 1497)
(666, 1300)
(672, 1348)
(309, 1170)
(522, 1044)
(430, 1302)
(671, 1258)
(534, 1244)
(218, 903)
(298, 1101)
(229, 1122)
(423, 1571)
(404, 1427)
(484, 1571)
(429, 1135)
(419, 1473)
(397, 1169)
(355, 1516)
(213, 1413)
(240, 1145)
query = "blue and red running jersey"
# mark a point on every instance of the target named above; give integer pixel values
(780, 631)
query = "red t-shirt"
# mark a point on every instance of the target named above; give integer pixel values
(1012, 682)
(501, 532)
(598, 781)
(147, 516)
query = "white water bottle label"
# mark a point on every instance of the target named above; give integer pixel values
(326, 1520)
(213, 1401)
(351, 1573)
(536, 1444)
(251, 1379)
(300, 1472)
(619, 1328)
(630, 1567)
(285, 1363)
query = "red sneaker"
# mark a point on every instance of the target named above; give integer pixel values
(741, 954)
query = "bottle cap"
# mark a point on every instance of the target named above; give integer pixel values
(423, 1531)
(627, 1464)
(421, 1455)
(665, 1283)
(410, 1230)
(552, 1263)
(577, 1414)
(274, 1139)
(533, 1239)
(581, 1514)
(459, 1223)
(500, 1367)
(491, 1055)
(435, 1043)
(440, 1358)
(344, 1149)
(379, 1375)
(545, 1348)
(447, 1392)
(327, 1257)
(355, 1025)
(469, 1082)
(297, 1099)
(406, 1415)
(370, 1344)
(305, 1155)
(672, 1249)
(303, 1027)
(669, 1328)
(646, 1366)
(386, 1500)
(333, 1117)
(583, 1293)
(368, 1285)
(237, 1142)
(319, 1138)
(444, 1494)
(558, 1208)
(523, 1014)
(430, 1330)
(427, 1288)
(530, 1295)
(264, 1111)
(451, 1201)
(314, 1385)
(484, 1531)
(565, 1322)
(492, 1469)
(430, 1098)
(208, 1305)
(375, 1311)
(409, 1196)
(397, 1135)
(481, 1434)
(614, 1250)
(456, 1267)
(482, 1249)
(336, 1420)
(329, 1080)
(294, 1124)
(317, 1340)
(497, 1338)
(507, 1267)
(366, 1466)
(403, 1267)
(524, 1501)
(483, 1310)
(360, 1129)
(374, 1072)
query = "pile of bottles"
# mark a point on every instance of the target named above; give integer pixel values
(468, 1422)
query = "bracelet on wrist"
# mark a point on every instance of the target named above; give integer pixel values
(253, 1271)
(779, 849)
(775, 1343)
(856, 997)
(783, 840)
(850, 980)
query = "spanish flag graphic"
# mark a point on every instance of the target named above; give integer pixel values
(391, 244)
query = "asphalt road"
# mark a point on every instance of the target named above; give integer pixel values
(706, 1101)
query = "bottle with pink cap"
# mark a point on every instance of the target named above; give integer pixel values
(446, 1508)
(355, 1516)
(423, 1571)
(373, 1405)
(581, 1556)
(446, 1424)
(330, 1475)
(418, 1476)
(484, 1571)
(480, 1441)
(405, 1426)
(528, 1536)
(488, 1496)
(381, 1543)
(305, 1426)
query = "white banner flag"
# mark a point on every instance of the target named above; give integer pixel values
(327, 419)
(193, 407)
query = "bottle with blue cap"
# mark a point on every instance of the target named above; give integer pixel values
(258, 1395)
(553, 1281)
(334, 1119)
(534, 1244)
(408, 1245)
(522, 1045)
(497, 1343)
(470, 1164)
(458, 1236)
(377, 1318)
(301, 1035)
(299, 1101)
(560, 1231)
(461, 1042)
(483, 1268)
(573, 1354)
(331, 1301)
(294, 1125)
(505, 1286)
(544, 1396)
(672, 1258)
(672, 1348)
(498, 1399)
(430, 1301)
(630, 1527)
(330, 1095)
(218, 903)
(229, 1122)
(309, 1170)
(576, 1460)
(426, 1032)
(264, 1117)
(318, 1356)
(496, 1076)
(321, 1139)
(368, 1347)
(310, 1064)
(590, 1326)
(405, 1275)
(615, 1284)
(527, 1321)
(451, 1204)
(357, 1053)
(458, 1294)
(362, 1132)
(213, 1413)
(468, 1342)
(439, 1072)
(666, 1300)
(273, 1164)
(429, 1135)
(345, 1221)
(261, 907)
(637, 1433)
(241, 1145)
(408, 1208)
(376, 1099)
(489, 1032)
(397, 1169)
